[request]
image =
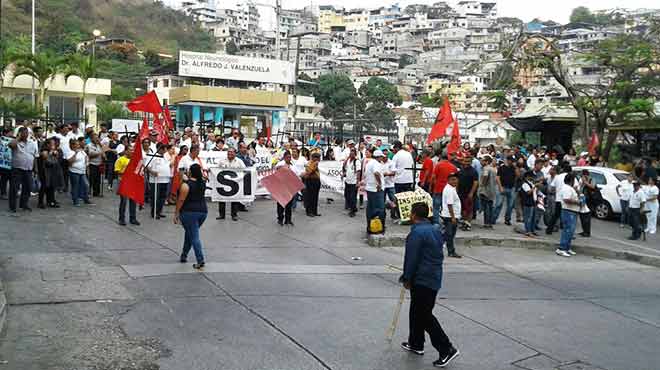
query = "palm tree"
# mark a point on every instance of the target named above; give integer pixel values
(40, 66)
(83, 66)
(9, 52)
(498, 101)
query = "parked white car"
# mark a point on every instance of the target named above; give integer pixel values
(606, 179)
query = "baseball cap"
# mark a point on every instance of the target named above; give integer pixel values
(378, 153)
(349, 142)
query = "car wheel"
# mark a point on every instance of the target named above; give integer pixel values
(603, 210)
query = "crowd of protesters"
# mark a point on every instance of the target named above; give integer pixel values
(531, 182)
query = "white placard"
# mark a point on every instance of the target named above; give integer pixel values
(331, 180)
(124, 125)
(232, 67)
(232, 184)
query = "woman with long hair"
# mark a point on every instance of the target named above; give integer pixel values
(191, 212)
(176, 179)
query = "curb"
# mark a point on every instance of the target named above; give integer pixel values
(399, 240)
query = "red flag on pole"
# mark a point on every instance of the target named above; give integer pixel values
(145, 103)
(593, 143)
(442, 121)
(169, 125)
(455, 144)
(158, 126)
(144, 130)
(132, 181)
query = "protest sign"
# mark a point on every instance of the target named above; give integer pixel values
(263, 163)
(125, 125)
(5, 153)
(331, 180)
(212, 159)
(283, 184)
(406, 199)
(232, 184)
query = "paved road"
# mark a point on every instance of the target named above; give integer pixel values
(85, 293)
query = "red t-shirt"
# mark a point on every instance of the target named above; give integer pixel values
(427, 168)
(442, 171)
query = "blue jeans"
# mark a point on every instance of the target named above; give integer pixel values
(529, 217)
(569, 219)
(507, 195)
(191, 222)
(450, 233)
(437, 207)
(78, 187)
(389, 193)
(375, 206)
(624, 212)
(487, 205)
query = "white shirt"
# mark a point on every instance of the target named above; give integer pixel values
(637, 198)
(79, 165)
(567, 192)
(531, 160)
(650, 192)
(388, 181)
(352, 168)
(187, 143)
(162, 167)
(546, 171)
(236, 163)
(282, 163)
(336, 150)
(625, 189)
(24, 154)
(344, 154)
(403, 160)
(186, 162)
(450, 198)
(299, 165)
(64, 143)
(373, 167)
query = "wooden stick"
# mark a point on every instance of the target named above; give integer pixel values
(397, 313)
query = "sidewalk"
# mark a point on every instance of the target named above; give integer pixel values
(607, 240)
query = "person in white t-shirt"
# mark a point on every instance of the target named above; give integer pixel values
(374, 186)
(160, 175)
(651, 192)
(389, 172)
(635, 206)
(284, 213)
(403, 162)
(77, 160)
(624, 190)
(351, 169)
(451, 213)
(570, 206)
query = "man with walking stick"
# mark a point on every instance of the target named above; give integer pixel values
(422, 275)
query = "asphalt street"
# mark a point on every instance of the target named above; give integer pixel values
(85, 293)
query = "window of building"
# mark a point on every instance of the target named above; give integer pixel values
(166, 83)
(66, 108)
(154, 84)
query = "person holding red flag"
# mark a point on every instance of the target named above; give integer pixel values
(121, 164)
(131, 185)
(455, 143)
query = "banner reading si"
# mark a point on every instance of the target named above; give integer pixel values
(232, 184)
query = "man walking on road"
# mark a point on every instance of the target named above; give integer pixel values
(422, 275)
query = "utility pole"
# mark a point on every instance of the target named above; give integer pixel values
(278, 10)
(33, 51)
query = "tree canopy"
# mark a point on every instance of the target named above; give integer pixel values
(338, 95)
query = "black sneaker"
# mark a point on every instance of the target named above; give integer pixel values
(455, 255)
(408, 348)
(444, 361)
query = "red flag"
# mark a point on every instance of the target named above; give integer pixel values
(132, 181)
(145, 103)
(169, 125)
(282, 185)
(442, 121)
(158, 126)
(455, 143)
(144, 130)
(593, 143)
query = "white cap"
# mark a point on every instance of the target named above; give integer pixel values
(120, 148)
(583, 154)
(378, 153)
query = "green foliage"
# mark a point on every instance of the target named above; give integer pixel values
(41, 66)
(502, 77)
(19, 109)
(122, 93)
(108, 110)
(338, 95)
(434, 100)
(498, 100)
(378, 97)
(231, 48)
(151, 58)
(582, 14)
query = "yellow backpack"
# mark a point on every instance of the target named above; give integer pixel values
(375, 226)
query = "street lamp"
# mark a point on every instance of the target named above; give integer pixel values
(96, 34)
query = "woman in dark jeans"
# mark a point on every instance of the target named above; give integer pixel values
(191, 211)
(50, 174)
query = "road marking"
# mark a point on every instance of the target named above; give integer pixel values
(251, 267)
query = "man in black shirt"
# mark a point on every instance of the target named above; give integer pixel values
(506, 180)
(468, 181)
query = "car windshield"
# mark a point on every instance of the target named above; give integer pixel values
(620, 176)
